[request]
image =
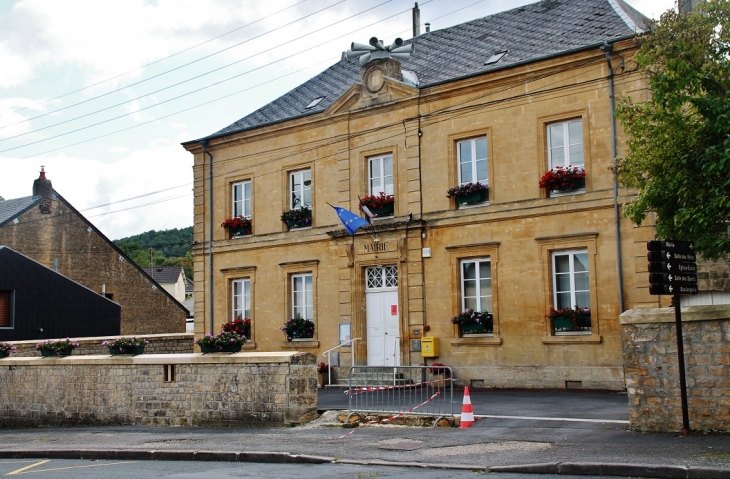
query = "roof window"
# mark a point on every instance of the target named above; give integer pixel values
(495, 58)
(314, 103)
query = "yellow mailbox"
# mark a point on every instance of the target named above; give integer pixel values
(429, 347)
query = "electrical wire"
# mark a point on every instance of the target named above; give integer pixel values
(197, 106)
(182, 66)
(157, 61)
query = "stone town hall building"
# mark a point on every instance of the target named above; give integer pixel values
(499, 100)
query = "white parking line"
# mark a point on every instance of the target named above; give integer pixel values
(567, 419)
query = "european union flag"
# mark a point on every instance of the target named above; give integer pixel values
(351, 221)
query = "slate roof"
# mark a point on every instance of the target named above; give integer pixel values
(165, 274)
(530, 33)
(10, 209)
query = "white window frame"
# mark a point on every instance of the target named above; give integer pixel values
(241, 298)
(241, 199)
(297, 196)
(381, 278)
(302, 297)
(571, 273)
(385, 180)
(571, 141)
(472, 161)
(478, 288)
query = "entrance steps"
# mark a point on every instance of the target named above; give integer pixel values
(375, 377)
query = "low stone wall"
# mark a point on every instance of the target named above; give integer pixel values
(173, 343)
(242, 389)
(652, 368)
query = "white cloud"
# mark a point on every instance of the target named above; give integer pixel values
(16, 68)
(88, 183)
(118, 149)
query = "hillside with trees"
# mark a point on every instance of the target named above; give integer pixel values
(169, 248)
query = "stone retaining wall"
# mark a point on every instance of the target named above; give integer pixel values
(242, 389)
(652, 369)
(173, 343)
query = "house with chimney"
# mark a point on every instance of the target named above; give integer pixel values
(482, 153)
(48, 230)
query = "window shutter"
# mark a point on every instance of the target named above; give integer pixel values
(4, 309)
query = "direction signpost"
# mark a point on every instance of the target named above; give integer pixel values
(673, 271)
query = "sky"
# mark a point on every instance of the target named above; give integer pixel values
(102, 92)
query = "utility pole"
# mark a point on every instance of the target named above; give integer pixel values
(152, 270)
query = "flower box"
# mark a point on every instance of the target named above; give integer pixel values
(469, 193)
(231, 348)
(564, 179)
(387, 210)
(6, 349)
(577, 185)
(47, 353)
(298, 329)
(475, 198)
(56, 347)
(238, 226)
(131, 351)
(380, 205)
(570, 319)
(223, 342)
(475, 328)
(474, 322)
(236, 232)
(297, 218)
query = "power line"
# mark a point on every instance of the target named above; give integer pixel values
(131, 100)
(177, 68)
(171, 114)
(159, 60)
(222, 81)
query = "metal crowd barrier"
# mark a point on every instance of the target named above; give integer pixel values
(402, 389)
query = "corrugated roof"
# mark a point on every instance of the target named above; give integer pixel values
(10, 209)
(530, 33)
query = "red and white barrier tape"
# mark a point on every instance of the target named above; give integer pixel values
(367, 389)
(392, 417)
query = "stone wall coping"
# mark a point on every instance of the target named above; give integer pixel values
(100, 339)
(187, 358)
(666, 315)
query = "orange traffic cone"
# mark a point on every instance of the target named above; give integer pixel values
(467, 414)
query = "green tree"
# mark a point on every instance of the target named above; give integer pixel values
(2, 199)
(679, 140)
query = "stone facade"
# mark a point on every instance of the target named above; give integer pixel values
(652, 369)
(429, 236)
(67, 242)
(237, 390)
(178, 343)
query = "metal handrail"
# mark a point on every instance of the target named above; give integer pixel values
(327, 353)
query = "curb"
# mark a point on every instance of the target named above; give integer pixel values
(567, 468)
(617, 469)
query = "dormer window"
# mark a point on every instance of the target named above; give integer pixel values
(495, 58)
(314, 103)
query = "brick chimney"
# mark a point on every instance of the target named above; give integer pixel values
(42, 187)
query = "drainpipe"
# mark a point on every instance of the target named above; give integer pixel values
(203, 143)
(607, 47)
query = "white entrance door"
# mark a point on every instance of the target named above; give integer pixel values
(382, 313)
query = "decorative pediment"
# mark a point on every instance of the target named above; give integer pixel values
(345, 102)
(387, 91)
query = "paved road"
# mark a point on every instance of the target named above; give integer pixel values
(526, 429)
(82, 469)
(547, 404)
